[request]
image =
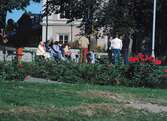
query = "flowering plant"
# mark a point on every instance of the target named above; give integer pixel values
(144, 59)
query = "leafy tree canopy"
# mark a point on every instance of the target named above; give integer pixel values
(9, 5)
(75, 9)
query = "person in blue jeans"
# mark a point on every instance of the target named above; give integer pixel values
(116, 46)
(116, 53)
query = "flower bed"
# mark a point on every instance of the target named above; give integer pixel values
(144, 59)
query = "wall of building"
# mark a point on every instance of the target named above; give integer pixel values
(58, 26)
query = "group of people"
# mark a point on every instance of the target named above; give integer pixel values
(118, 44)
(53, 49)
(58, 50)
(61, 51)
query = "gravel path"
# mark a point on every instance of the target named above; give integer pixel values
(154, 108)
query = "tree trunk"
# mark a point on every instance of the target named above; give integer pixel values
(3, 15)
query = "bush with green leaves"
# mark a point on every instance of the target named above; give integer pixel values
(10, 71)
(134, 75)
(73, 73)
(144, 75)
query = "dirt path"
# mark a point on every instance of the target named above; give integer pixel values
(154, 108)
(30, 79)
(128, 103)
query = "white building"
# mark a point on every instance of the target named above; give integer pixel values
(58, 29)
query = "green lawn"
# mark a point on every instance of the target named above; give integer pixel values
(20, 101)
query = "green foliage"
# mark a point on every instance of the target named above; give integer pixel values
(12, 4)
(75, 9)
(144, 75)
(9, 5)
(73, 73)
(10, 71)
(134, 75)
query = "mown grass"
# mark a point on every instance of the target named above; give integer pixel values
(20, 101)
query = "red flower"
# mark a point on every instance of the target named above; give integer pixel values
(133, 59)
(144, 58)
(150, 58)
(157, 62)
(141, 56)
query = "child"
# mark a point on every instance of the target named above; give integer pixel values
(91, 57)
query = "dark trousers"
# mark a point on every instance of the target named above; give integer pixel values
(125, 55)
(110, 56)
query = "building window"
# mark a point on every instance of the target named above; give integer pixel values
(66, 38)
(63, 37)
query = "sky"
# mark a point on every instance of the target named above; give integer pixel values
(33, 8)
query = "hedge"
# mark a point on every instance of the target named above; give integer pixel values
(134, 75)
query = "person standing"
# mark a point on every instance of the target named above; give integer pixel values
(116, 47)
(83, 43)
(125, 48)
(109, 50)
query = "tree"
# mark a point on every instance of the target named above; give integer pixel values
(134, 16)
(161, 34)
(128, 16)
(9, 5)
(75, 9)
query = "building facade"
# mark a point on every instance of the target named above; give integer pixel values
(59, 29)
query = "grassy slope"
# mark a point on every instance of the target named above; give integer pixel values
(65, 102)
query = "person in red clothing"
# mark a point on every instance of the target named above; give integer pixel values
(83, 43)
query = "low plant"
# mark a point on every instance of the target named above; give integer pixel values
(143, 75)
(11, 71)
(134, 75)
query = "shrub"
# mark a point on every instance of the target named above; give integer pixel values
(143, 75)
(134, 74)
(70, 72)
(10, 71)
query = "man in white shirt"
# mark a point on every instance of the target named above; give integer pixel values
(116, 47)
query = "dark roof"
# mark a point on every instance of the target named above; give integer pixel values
(35, 18)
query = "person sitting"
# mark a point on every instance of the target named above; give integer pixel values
(67, 52)
(41, 51)
(61, 46)
(55, 50)
(91, 57)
